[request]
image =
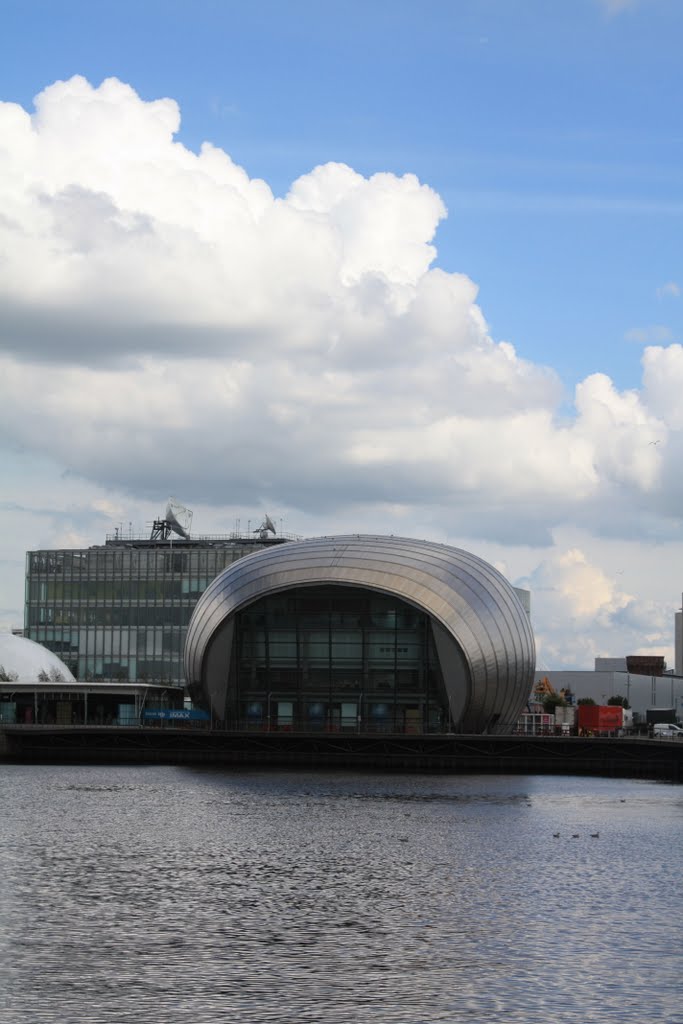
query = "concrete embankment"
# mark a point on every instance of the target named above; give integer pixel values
(619, 758)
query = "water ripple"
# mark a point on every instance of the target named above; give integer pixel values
(178, 896)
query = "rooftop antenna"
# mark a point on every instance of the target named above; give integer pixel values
(265, 528)
(177, 519)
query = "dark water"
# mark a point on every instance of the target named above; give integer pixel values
(192, 897)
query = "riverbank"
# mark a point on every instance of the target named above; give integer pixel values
(638, 758)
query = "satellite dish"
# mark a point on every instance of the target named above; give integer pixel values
(179, 518)
(265, 528)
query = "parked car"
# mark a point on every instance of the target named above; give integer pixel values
(668, 730)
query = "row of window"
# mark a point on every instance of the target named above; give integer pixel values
(338, 714)
(316, 679)
(321, 608)
(68, 591)
(122, 617)
(158, 560)
(314, 647)
(124, 669)
(111, 654)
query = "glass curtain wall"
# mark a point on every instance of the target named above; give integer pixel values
(120, 612)
(335, 659)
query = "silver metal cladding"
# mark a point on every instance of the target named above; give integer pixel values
(468, 597)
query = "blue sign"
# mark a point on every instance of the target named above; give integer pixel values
(177, 714)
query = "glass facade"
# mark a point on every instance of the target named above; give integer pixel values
(405, 633)
(336, 658)
(120, 611)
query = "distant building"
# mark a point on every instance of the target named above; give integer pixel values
(611, 679)
(119, 611)
(610, 664)
(642, 679)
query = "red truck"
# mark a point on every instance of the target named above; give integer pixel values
(599, 719)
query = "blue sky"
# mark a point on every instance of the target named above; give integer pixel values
(551, 131)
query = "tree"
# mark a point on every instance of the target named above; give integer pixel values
(585, 700)
(552, 701)
(53, 676)
(619, 701)
(7, 677)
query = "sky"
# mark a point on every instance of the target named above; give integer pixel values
(379, 267)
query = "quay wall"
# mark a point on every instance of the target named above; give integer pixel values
(571, 755)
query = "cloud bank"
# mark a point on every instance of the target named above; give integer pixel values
(168, 325)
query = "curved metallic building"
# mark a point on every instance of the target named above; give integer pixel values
(361, 632)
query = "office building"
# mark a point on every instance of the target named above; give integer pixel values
(119, 611)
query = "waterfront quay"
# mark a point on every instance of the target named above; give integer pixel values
(623, 757)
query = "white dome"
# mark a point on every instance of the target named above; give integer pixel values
(26, 659)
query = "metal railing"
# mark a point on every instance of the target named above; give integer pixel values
(169, 719)
(240, 536)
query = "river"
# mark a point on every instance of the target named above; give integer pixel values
(193, 896)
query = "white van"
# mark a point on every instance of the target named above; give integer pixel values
(667, 729)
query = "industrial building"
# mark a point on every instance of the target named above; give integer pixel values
(642, 681)
(119, 611)
(361, 633)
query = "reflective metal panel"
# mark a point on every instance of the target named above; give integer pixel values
(477, 607)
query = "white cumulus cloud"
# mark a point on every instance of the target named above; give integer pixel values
(169, 325)
(582, 612)
(670, 290)
(653, 335)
